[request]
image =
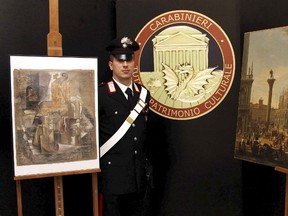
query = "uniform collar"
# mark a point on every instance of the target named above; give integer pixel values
(123, 87)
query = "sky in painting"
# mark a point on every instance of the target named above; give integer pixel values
(268, 50)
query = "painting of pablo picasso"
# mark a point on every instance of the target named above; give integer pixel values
(54, 115)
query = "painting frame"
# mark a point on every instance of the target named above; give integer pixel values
(262, 121)
(54, 115)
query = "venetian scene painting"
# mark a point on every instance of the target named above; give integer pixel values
(262, 125)
(54, 115)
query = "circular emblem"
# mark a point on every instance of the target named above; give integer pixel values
(187, 63)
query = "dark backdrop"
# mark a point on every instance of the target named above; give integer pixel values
(196, 173)
(86, 27)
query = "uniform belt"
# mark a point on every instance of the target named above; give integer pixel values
(126, 124)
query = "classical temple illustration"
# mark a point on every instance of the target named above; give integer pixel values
(181, 45)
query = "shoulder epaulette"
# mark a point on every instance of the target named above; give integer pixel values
(111, 87)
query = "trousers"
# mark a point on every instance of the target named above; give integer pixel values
(123, 204)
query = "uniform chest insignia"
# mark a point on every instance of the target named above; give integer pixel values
(111, 87)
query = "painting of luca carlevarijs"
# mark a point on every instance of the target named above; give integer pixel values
(54, 114)
(262, 124)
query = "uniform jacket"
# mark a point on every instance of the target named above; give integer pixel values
(123, 166)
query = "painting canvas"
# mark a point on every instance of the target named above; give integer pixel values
(262, 124)
(54, 114)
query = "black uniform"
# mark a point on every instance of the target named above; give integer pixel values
(123, 166)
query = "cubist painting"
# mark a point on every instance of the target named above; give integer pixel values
(54, 114)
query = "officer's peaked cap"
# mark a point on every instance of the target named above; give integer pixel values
(122, 48)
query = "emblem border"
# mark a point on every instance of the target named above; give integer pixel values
(203, 22)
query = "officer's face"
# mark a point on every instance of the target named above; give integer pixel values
(122, 70)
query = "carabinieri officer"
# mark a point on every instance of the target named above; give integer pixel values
(122, 133)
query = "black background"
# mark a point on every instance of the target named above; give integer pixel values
(194, 166)
(195, 170)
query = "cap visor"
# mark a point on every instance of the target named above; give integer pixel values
(124, 57)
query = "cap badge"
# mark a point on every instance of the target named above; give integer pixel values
(125, 41)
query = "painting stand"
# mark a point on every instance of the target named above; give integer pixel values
(19, 197)
(283, 170)
(54, 48)
(58, 190)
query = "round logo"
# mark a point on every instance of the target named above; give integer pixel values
(187, 63)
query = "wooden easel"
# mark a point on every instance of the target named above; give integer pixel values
(284, 170)
(58, 189)
(54, 48)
